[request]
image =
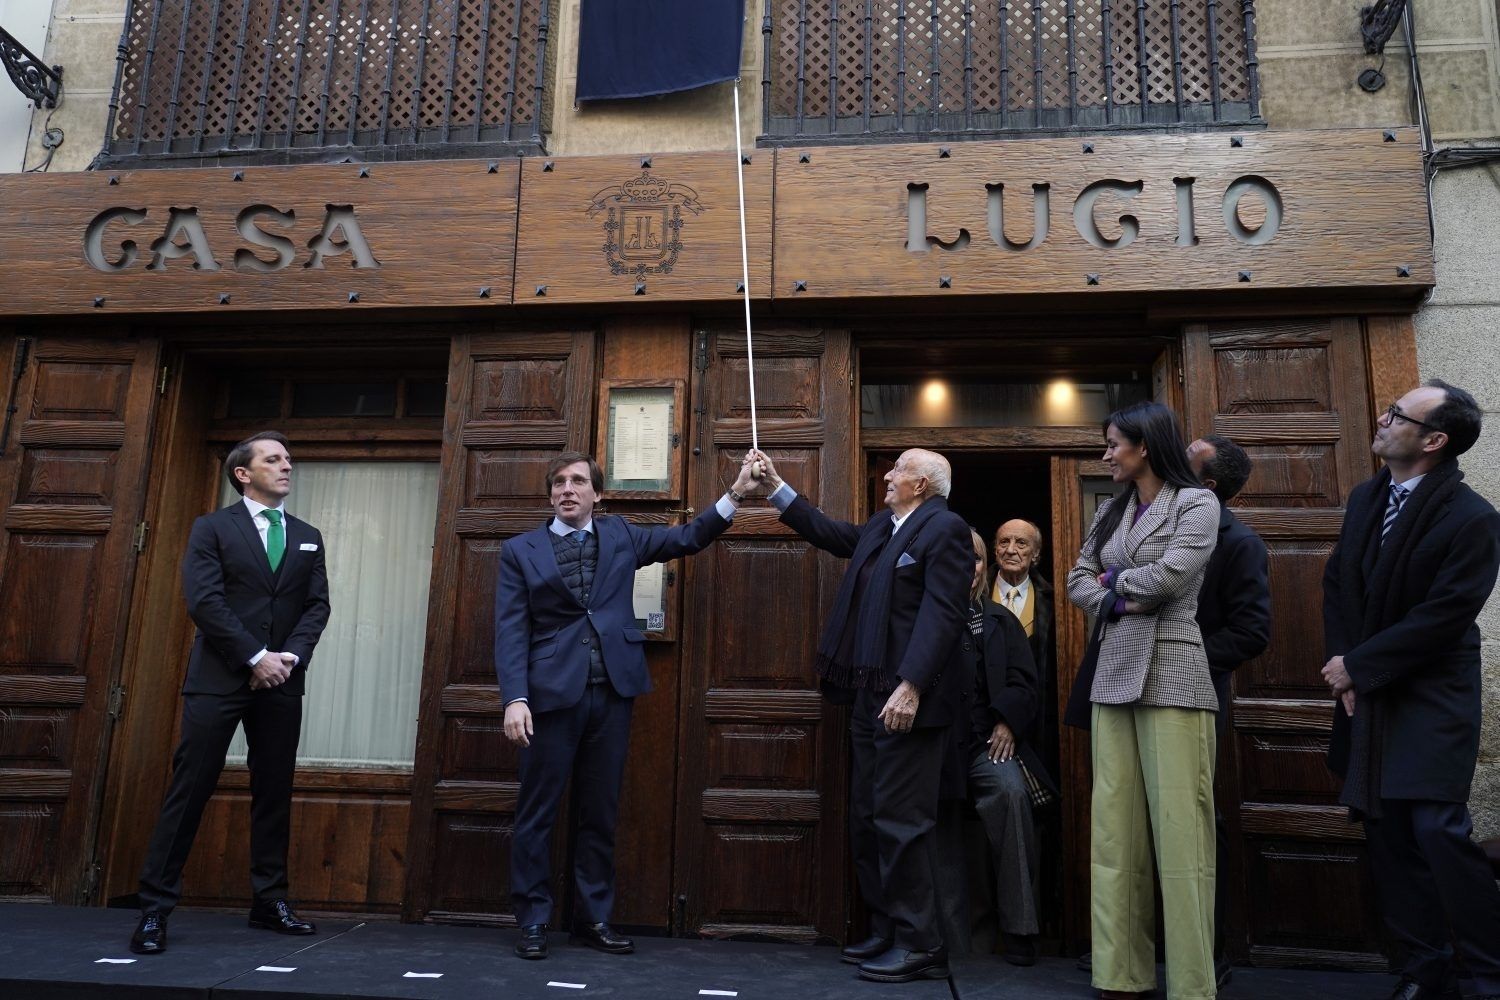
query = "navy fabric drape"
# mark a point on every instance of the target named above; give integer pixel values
(638, 48)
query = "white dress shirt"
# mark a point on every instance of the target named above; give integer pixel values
(263, 525)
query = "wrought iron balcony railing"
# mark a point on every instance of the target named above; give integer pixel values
(903, 70)
(280, 81)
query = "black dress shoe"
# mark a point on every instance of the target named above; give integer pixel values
(533, 943)
(871, 947)
(278, 916)
(603, 937)
(1019, 949)
(898, 966)
(150, 937)
(1410, 989)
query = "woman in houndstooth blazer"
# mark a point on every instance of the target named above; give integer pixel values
(1152, 720)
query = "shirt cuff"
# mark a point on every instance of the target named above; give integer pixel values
(514, 700)
(256, 658)
(725, 507)
(783, 496)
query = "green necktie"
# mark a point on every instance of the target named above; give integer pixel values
(275, 539)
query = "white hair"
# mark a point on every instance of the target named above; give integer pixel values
(933, 467)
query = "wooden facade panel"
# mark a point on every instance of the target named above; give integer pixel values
(36, 736)
(68, 390)
(348, 851)
(796, 465)
(471, 873)
(34, 783)
(329, 236)
(597, 228)
(473, 625)
(31, 847)
(520, 390)
(1301, 384)
(785, 388)
(1342, 209)
(746, 756)
(779, 578)
(24, 689)
(475, 749)
(1291, 476)
(746, 855)
(1290, 667)
(46, 590)
(784, 706)
(1285, 767)
(66, 476)
(508, 478)
(59, 519)
(1324, 878)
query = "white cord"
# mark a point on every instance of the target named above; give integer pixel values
(739, 166)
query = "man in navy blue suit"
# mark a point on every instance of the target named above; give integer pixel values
(571, 662)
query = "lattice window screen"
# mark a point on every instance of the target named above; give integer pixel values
(265, 68)
(987, 56)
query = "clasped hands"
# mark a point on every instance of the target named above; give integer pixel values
(1131, 607)
(757, 475)
(1340, 683)
(271, 670)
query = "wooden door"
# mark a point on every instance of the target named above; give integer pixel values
(1295, 395)
(1079, 486)
(514, 401)
(763, 782)
(75, 446)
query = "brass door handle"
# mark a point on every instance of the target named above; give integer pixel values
(689, 511)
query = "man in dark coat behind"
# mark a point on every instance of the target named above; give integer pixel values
(892, 645)
(1415, 562)
(1234, 615)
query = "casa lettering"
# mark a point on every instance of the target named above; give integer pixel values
(266, 239)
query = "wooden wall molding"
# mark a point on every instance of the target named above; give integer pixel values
(1234, 216)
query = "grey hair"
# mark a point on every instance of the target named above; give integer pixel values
(934, 468)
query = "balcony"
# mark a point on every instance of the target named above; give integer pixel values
(852, 71)
(219, 82)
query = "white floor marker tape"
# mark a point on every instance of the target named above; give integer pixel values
(114, 961)
(718, 993)
(423, 975)
(568, 986)
(276, 968)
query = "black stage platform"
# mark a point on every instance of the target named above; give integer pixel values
(63, 953)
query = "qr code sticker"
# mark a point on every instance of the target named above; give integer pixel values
(656, 621)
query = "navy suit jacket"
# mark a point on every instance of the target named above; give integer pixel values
(241, 607)
(929, 596)
(542, 633)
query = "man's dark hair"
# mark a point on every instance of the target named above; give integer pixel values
(1457, 416)
(241, 454)
(1229, 468)
(566, 459)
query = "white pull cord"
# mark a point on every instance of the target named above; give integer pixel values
(739, 166)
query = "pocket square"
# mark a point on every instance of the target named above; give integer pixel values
(905, 560)
(308, 547)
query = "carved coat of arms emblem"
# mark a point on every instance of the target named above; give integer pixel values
(643, 220)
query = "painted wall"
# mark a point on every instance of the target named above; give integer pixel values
(27, 21)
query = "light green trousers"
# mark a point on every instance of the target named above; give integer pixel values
(1153, 778)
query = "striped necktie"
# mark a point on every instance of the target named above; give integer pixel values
(1393, 509)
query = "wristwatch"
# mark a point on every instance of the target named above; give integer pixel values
(736, 497)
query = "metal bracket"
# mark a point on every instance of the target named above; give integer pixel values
(38, 83)
(116, 702)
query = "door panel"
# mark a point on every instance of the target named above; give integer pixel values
(763, 786)
(75, 457)
(514, 401)
(1295, 395)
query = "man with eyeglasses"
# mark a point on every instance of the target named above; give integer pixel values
(1415, 562)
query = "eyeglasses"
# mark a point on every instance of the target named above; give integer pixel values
(1394, 413)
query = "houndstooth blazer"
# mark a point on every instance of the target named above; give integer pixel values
(1154, 658)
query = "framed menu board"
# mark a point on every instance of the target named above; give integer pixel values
(639, 433)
